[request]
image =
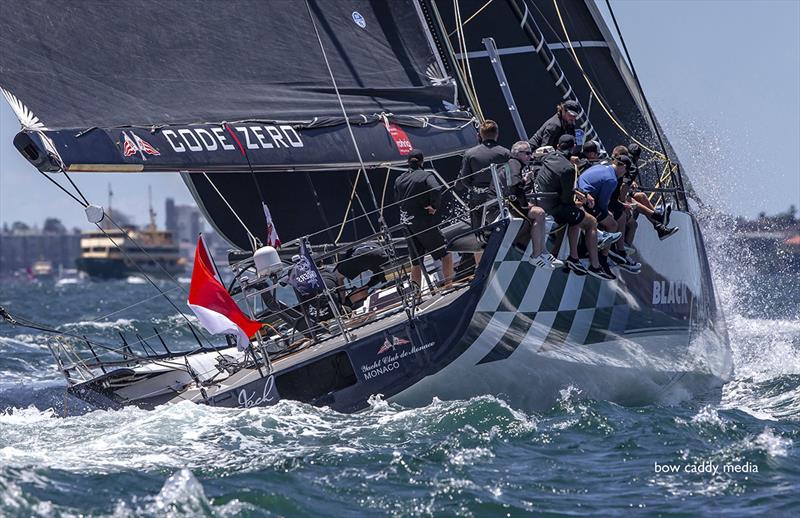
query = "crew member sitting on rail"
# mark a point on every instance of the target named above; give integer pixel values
(641, 201)
(555, 185)
(419, 194)
(601, 182)
(541, 257)
(559, 124)
(479, 158)
(519, 206)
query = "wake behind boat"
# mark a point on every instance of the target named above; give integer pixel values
(382, 78)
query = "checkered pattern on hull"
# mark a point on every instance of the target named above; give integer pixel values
(545, 308)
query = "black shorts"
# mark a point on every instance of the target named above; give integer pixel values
(617, 208)
(567, 214)
(598, 214)
(429, 241)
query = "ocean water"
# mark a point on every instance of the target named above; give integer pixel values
(476, 457)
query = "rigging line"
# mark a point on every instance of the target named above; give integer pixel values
(252, 173)
(347, 210)
(131, 306)
(63, 189)
(476, 13)
(592, 88)
(147, 277)
(249, 234)
(318, 203)
(463, 45)
(346, 118)
(636, 78)
(385, 185)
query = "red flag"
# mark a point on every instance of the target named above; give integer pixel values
(212, 304)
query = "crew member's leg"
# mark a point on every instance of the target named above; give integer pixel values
(536, 216)
(589, 227)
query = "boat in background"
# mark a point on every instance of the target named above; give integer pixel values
(119, 251)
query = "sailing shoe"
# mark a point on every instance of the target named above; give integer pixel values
(556, 262)
(664, 232)
(625, 262)
(600, 273)
(629, 249)
(606, 239)
(540, 261)
(576, 266)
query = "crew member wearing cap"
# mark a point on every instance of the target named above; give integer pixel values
(591, 151)
(474, 174)
(419, 194)
(559, 124)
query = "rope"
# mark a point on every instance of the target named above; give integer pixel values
(347, 210)
(346, 118)
(467, 70)
(385, 185)
(636, 77)
(594, 91)
(476, 13)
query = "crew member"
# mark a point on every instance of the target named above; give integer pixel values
(559, 124)
(419, 194)
(520, 158)
(475, 174)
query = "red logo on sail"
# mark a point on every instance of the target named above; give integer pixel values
(400, 138)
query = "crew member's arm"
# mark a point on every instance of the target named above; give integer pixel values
(465, 176)
(434, 195)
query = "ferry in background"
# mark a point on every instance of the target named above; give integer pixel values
(118, 252)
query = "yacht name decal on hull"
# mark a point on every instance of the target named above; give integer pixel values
(670, 292)
(269, 395)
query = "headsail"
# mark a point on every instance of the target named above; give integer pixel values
(253, 65)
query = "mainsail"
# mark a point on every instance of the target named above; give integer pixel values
(241, 87)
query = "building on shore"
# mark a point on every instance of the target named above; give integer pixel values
(22, 245)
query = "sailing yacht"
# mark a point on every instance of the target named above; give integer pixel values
(305, 111)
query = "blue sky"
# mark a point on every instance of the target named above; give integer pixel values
(723, 77)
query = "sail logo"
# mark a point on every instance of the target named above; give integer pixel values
(391, 342)
(133, 143)
(670, 292)
(245, 137)
(359, 19)
(401, 140)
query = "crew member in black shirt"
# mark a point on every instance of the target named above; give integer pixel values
(480, 157)
(559, 124)
(419, 194)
